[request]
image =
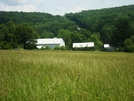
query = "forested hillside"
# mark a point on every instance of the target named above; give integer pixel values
(45, 24)
(114, 26)
(107, 21)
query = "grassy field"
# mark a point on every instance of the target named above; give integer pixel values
(66, 76)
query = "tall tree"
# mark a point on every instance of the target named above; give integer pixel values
(106, 33)
(122, 32)
(86, 34)
(26, 35)
(66, 35)
(11, 31)
(2, 32)
(7, 32)
(97, 42)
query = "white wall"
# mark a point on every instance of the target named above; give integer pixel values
(84, 44)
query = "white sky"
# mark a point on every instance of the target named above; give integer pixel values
(59, 7)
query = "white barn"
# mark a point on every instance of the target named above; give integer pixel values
(84, 44)
(50, 42)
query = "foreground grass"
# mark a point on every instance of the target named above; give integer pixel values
(66, 76)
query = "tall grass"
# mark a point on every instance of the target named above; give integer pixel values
(66, 76)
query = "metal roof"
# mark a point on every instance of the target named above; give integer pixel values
(84, 44)
(49, 41)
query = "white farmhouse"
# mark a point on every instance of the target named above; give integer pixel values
(50, 42)
(83, 44)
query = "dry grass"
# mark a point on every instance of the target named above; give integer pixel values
(66, 75)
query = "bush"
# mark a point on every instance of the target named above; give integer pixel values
(42, 48)
(47, 48)
(62, 48)
(59, 48)
(129, 48)
(128, 42)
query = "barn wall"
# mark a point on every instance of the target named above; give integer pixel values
(49, 45)
(62, 43)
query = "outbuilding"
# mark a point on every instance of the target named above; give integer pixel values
(107, 47)
(50, 42)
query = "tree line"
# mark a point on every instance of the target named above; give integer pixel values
(114, 26)
(24, 36)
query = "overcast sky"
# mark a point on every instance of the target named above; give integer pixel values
(59, 7)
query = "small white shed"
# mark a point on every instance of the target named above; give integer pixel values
(106, 46)
(50, 42)
(83, 44)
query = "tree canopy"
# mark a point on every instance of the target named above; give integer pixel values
(14, 36)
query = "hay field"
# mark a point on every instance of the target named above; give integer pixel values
(66, 76)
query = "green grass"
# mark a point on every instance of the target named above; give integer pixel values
(66, 76)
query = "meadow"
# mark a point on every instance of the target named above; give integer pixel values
(66, 76)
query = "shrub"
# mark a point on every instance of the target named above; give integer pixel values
(42, 48)
(47, 48)
(128, 42)
(57, 48)
(130, 48)
(62, 48)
